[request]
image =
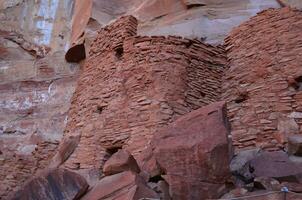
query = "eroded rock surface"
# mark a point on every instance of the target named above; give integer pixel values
(193, 153)
(262, 83)
(119, 162)
(36, 85)
(122, 186)
(57, 184)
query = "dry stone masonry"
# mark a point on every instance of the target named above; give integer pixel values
(132, 85)
(263, 83)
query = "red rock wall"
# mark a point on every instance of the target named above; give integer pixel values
(16, 169)
(34, 100)
(132, 85)
(263, 83)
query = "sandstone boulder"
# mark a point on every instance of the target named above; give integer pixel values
(193, 153)
(57, 184)
(295, 145)
(276, 165)
(123, 186)
(119, 162)
(239, 165)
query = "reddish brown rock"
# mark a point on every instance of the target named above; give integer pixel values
(276, 165)
(65, 149)
(119, 162)
(113, 109)
(81, 16)
(123, 186)
(194, 153)
(264, 63)
(57, 184)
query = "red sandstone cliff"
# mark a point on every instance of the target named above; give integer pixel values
(113, 109)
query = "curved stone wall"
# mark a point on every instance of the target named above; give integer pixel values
(132, 85)
(263, 83)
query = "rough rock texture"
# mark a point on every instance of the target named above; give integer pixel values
(276, 165)
(263, 82)
(58, 184)
(80, 19)
(67, 146)
(44, 22)
(208, 19)
(259, 164)
(36, 85)
(193, 153)
(295, 145)
(262, 195)
(291, 3)
(119, 162)
(123, 186)
(32, 120)
(135, 85)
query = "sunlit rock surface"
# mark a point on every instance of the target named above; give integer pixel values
(208, 19)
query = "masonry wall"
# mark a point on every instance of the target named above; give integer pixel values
(263, 83)
(132, 85)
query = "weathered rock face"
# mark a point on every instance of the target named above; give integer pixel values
(295, 145)
(58, 184)
(276, 165)
(248, 165)
(265, 174)
(263, 82)
(292, 3)
(40, 22)
(36, 85)
(123, 186)
(209, 19)
(135, 85)
(193, 153)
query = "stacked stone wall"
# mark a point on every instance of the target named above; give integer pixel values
(263, 83)
(126, 92)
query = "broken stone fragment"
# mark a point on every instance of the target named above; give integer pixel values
(119, 162)
(66, 148)
(57, 184)
(295, 145)
(266, 183)
(122, 186)
(239, 165)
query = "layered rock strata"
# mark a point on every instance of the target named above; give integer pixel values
(263, 83)
(131, 86)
